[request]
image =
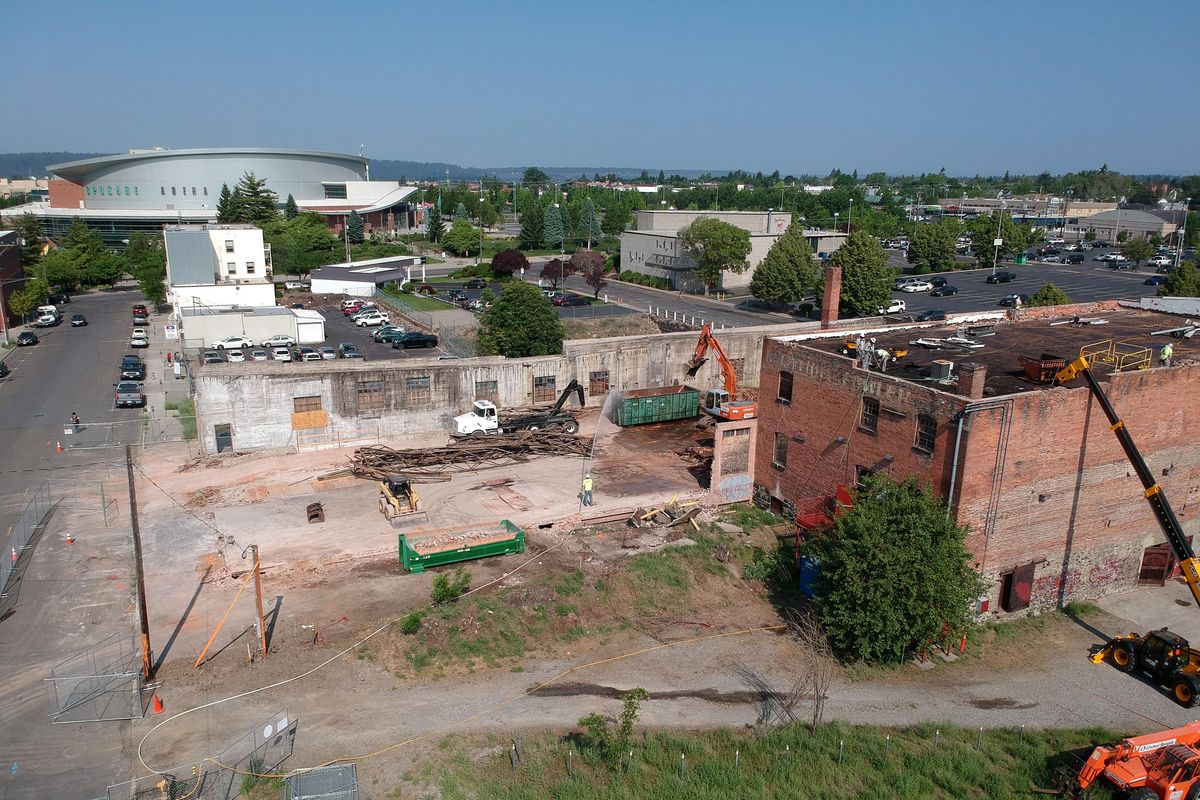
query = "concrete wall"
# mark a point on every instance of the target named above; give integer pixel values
(223, 296)
(658, 253)
(258, 399)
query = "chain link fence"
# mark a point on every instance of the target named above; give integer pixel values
(241, 767)
(333, 782)
(100, 684)
(33, 518)
(151, 429)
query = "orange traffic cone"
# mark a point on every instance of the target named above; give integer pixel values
(14, 551)
(58, 447)
(158, 705)
(70, 539)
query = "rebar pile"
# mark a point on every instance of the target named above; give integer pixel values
(467, 454)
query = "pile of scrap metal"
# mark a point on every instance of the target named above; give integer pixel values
(378, 462)
(667, 516)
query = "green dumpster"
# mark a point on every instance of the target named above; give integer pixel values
(432, 549)
(662, 404)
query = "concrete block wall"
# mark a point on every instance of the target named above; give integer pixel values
(257, 399)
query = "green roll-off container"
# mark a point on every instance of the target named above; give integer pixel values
(661, 404)
(504, 540)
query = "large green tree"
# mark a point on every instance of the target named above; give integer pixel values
(290, 209)
(1137, 251)
(23, 301)
(534, 175)
(589, 225)
(532, 227)
(226, 206)
(1183, 281)
(488, 215)
(983, 233)
(255, 203)
(144, 260)
(1049, 295)
(521, 323)
(462, 239)
(29, 230)
(788, 270)
(354, 228)
(616, 217)
(83, 241)
(931, 246)
(866, 278)
(62, 268)
(552, 228)
(460, 212)
(434, 227)
(895, 573)
(715, 246)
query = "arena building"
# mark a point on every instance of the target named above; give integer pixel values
(143, 190)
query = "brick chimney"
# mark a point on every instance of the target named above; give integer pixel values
(833, 296)
(971, 378)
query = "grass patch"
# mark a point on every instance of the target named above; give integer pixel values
(748, 517)
(565, 609)
(569, 584)
(1080, 608)
(905, 763)
(187, 415)
(417, 302)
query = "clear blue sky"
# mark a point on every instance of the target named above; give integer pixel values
(801, 87)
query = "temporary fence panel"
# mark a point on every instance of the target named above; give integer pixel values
(101, 684)
(37, 509)
(332, 782)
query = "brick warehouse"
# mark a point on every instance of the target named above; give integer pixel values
(1055, 509)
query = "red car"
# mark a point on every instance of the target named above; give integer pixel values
(352, 309)
(140, 310)
(571, 300)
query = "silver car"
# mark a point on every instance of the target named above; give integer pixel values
(282, 353)
(328, 353)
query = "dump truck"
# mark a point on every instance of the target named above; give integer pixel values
(435, 548)
(485, 418)
(662, 404)
(1157, 766)
(399, 503)
(1165, 657)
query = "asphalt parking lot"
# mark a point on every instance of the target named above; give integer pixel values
(339, 328)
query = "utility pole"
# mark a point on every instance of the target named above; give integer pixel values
(139, 575)
(262, 625)
(346, 236)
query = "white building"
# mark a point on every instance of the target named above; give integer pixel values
(218, 267)
(654, 248)
(361, 278)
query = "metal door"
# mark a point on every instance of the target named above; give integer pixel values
(1157, 563)
(223, 433)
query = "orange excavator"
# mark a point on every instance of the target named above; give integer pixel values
(1157, 766)
(721, 403)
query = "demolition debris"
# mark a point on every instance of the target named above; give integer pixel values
(468, 454)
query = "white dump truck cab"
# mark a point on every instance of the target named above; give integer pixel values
(483, 418)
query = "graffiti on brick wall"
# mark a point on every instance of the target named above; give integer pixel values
(1046, 589)
(1104, 571)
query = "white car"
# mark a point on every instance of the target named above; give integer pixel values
(1117, 258)
(1160, 261)
(295, 285)
(282, 353)
(236, 356)
(377, 318)
(278, 340)
(362, 312)
(351, 301)
(327, 353)
(258, 355)
(916, 286)
(895, 307)
(233, 343)
(139, 341)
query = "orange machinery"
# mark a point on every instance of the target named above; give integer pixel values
(1158, 766)
(721, 403)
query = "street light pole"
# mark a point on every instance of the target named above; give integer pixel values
(1187, 203)
(998, 241)
(850, 216)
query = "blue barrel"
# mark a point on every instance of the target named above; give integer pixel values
(809, 567)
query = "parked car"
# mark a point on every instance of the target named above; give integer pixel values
(309, 354)
(362, 311)
(139, 339)
(378, 318)
(140, 308)
(236, 357)
(133, 368)
(3, 370)
(388, 333)
(78, 321)
(936, 282)
(1159, 261)
(233, 343)
(895, 307)
(351, 310)
(26, 338)
(258, 355)
(279, 340)
(59, 298)
(900, 283)
(47, 321)
(916, 286)
(1155, 280)
(298, 285)
(327, 353)
(281, 353)
(456, 295)
(572, 300)
(348, 350)
(141, 319)
(1010, 300)
(944, 291)
(129, 395)
(213, 357)
(1164, 270)
(475, 283)
(1051, 258)
(931, 314)
(1075, 258)
(1002, 277)
(415, 339)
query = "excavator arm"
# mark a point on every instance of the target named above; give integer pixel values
(572, 387)
(707, 341)
(1154, 494)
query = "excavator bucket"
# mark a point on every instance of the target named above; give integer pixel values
(694, 366)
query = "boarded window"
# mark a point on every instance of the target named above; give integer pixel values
(735, 451)
(926, 432)
(303, 404)
(779, 457)
(870, 415)
(739, 368)
(416, 390)
(785, 386)
(487, 390)
(370, 396)
(544, 388)
(598, 383)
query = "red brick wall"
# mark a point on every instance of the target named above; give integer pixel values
(1041, 476)
(65, 194)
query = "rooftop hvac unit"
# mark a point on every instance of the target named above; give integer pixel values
(940, 369)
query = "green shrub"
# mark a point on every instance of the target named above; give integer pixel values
(448, 588)
(412, 623)
(771, 565)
